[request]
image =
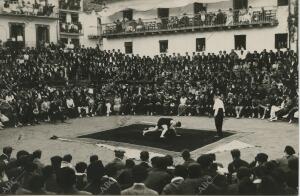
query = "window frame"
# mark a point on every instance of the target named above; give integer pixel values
(160, 46)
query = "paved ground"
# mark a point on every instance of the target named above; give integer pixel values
(268, 137)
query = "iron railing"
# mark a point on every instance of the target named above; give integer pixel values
(202, 20)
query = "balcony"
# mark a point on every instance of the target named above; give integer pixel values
(28, 10)
(204, 21)
(71, 28)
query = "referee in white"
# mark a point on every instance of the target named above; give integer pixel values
(219, 111)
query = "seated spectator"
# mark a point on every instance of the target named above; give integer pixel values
(139, 188)
(243, 184)
(108, 183)
(66, 180)
(125, 178)
(190, 185)
(237, 162)
(186, 156)
(81, 176)
(144, 156)
(180, 173)
(37, 160)
(66, 161)
(289, 155)
(95, 172)
(158, 176)
(6, 154)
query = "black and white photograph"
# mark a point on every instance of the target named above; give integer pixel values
(149, 97)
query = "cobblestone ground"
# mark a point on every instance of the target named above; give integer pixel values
(268, 137)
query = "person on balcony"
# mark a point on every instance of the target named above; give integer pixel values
(118, 26)
(229, 19)
(184, 21)
(140, 25)
(220, 18)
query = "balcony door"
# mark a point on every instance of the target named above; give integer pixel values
(240, 4)
(42, 35)
(163, 14)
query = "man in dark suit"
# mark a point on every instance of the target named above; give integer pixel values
(158, 176)
(144, 156)
(139, 188)
(118, 160)
(237, 162)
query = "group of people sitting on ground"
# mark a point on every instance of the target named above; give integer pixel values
(27, 174)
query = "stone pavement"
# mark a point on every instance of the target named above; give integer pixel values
(268, 137)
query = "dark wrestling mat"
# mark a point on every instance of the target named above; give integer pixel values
(190, 138)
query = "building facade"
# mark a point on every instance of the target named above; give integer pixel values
(170, 26)
(29, 24)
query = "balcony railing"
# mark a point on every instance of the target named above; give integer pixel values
(28, 10)
(71, 28)
(201, 21)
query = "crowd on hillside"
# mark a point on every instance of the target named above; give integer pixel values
(40, 84)
(27, 174)
(201, 18)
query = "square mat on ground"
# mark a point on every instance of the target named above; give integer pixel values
(191, 139)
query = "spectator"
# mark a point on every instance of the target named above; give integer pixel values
(66, 180)
(139, 188)
(187, 158)
(180, 173)
(144, 156)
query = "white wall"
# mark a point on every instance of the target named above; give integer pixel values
(257, 38)
(90, 27)
(30, 28)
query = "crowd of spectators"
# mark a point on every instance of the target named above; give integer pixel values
(71, 27)
(42, 84)
(26, 174)
(203, 18)
(27, 8)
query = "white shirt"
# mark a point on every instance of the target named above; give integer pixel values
(183, 100)
(70, 103)
(218, 104)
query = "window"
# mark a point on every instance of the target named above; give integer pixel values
(163, 12)
(198, 7)
(282, 2)
(200, 44)
(128, 14)
(128, 47)
(240, 42)
(240, 4)
(17, 32)
(74, 18)
(163, 46)
(281, 40)
(63, 17)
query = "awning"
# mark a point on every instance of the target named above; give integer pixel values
(144, 5)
